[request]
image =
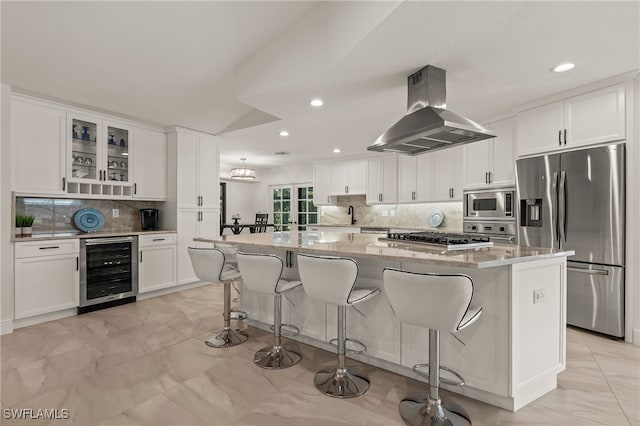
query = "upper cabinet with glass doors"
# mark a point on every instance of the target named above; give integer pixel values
(98, 156)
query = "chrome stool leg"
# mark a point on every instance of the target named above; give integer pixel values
(418, 410)
(227, 337)
(276, 357)
(341, 382)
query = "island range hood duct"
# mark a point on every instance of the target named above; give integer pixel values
(428, 125)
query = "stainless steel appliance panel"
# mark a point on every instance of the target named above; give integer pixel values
(591, 196)
(495, 204)
(536, 188)
(595, 296)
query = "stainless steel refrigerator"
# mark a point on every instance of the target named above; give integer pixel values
(576, 201)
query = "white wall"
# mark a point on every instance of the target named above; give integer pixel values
(6, 247)
(241, 199)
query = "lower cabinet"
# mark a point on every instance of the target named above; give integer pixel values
(157, 262)
(47, 276)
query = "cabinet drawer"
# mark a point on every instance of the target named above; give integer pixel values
(47, 248)
(156, 240)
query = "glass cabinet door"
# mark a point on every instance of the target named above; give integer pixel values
(84, 149)
(117, 148)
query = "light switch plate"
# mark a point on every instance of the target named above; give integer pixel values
(115, 213)
(538, 296)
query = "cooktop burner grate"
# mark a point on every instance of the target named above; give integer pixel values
(450, 241)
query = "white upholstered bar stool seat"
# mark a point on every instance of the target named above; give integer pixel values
(439, 303)
(209, 265)
(332, 280)
(263, 273)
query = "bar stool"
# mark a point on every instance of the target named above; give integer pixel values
(262, 273)
(209, 265)
(439, 303)
(332, 280)
(230, 251)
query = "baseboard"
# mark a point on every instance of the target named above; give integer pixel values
(37, 319)
(6, 327)
(636, 337)
(169, 290)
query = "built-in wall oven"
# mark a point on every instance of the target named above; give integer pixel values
(491, 213)
(108, 271)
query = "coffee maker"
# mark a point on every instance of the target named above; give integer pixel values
(149, 219)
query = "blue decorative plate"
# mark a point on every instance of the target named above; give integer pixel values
(89, 220)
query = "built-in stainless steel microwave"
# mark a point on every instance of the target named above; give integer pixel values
(490, 204)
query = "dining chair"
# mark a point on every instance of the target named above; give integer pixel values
(261, 219)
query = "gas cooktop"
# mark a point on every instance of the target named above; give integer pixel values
(449, 241)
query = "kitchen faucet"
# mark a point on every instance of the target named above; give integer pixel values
(352, 212)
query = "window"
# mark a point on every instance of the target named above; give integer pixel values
(307, 211)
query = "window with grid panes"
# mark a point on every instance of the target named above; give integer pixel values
(307, 211)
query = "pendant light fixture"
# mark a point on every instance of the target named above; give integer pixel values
(243, 173)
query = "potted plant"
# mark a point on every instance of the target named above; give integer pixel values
(27, 224)
(19, 223)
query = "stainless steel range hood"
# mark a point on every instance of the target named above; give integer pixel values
(428, 125)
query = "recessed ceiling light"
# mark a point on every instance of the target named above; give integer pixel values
(563, 67)
(317, 102)
(284, 133)
(336, 150)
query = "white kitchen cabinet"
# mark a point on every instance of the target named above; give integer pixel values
(192, 224)
(348, 177)
(447, 174)
(332, 178)
(150, 164)
(491, 163)
(382, 179)
(322, 184)
(38, 139)
(197, 169)
(415, 178)
(592, 118)
(47, 277)
(98, 150)
(157, 262)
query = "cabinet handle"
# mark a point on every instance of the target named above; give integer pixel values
(486, 177)
(64, 184)
(559, 137)
(140, 256)
(489, 177)
(49, 247)
(328, 199)
(346, 189)
(158, 239)
(565, 136)
(77, 263)
(135, 188)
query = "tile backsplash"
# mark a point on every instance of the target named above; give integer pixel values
(56, 214)
(400, 215)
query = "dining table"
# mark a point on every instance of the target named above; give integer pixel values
(237, 228)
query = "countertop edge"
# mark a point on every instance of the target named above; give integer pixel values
(89, 235)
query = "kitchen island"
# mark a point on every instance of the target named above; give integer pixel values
(509, 357)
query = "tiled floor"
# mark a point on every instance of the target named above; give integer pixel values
(146, 364)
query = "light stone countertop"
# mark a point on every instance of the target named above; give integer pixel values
(407, 228)
(367, 245)
(79, 234)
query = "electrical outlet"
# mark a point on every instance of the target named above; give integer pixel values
(115, 212)
(538, 296)
(393, 212)
(385, 213)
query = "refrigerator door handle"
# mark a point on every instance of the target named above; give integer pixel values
(562, 207)
(588, 271)
(554, 214)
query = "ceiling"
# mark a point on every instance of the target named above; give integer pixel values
(247, 70)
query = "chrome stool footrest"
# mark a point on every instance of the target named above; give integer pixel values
(442, 367)
(227, 338)
(333, 342)
(276, 358)
(287, 330)
(238, 315)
